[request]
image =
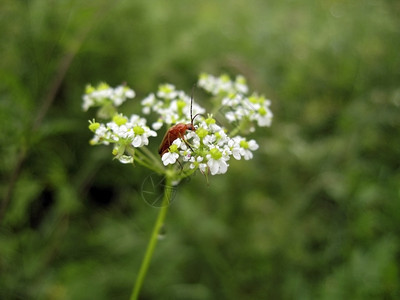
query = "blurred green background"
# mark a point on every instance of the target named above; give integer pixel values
(316, 213)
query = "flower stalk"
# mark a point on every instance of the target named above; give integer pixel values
(154, 237)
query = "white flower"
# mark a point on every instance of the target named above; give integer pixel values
(242, 148)
(173, 107)
(169, 158)
(236, 152)
(209, 139)
(139, 141)
(203, 167)
(216, 160)
(147, 103)
(124, 132)
(195, 161)
(264, 121)
(208, 82)
(104, 94)
(236, 105)
(232, 100)
(101, 135)
(240, 84)
(87, 102)
(142, 138)
(119, 95)
(264, 116)
(216, 85)
(167, 91)
(223, 84)
(230, 116)
(222, 138)
(217, 166)
(146, 110)
(129, 93)
(193, 137)
(125, 159)
(157, 125)
(101, 131)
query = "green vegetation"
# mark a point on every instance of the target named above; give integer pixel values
(315, 214)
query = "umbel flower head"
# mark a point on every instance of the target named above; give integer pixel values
(208, 148)
(237, 105)
(170, 105)
(106, 97)
(124, 133)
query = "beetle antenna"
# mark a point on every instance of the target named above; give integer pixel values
(196, 116)
(191, 104)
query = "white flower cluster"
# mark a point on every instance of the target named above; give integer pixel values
(123, 132)
(236, 105)
(209, 148)
(103, 94)
(223, 84)
(172, 106)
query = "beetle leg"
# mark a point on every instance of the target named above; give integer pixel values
(186, 142)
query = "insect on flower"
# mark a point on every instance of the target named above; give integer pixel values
(178, 131)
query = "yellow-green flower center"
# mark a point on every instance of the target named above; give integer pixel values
(240, 79)
(203, 76)
(244, 144)
(224, 78)
(103, 86)
(215, 153)
(89, 89)
(93, 126)
(210, 120)
(173, 148)
(166, 88)
(119, 120)
(138, 130)
(256, 99)
(201, 132)
(253, 99)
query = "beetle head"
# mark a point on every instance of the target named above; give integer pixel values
(190, 127)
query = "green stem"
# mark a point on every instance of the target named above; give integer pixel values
(142, 159)
(156, 159)
(144, 164)
(141, 153)
(154, 237)
(234, 131)
(238, 128)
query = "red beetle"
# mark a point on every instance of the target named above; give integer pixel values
(177, 131)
